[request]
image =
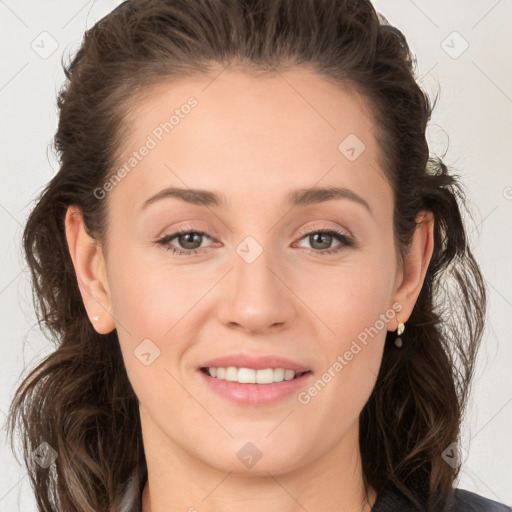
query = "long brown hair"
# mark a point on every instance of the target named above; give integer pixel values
(79, 399)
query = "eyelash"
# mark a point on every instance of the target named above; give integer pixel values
(345, 240)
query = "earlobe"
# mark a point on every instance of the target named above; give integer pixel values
(90, 270)
(416, 263)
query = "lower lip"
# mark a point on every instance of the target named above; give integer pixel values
(255, 394)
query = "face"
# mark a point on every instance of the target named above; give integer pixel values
(265, 270)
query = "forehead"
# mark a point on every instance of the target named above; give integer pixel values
(233, 131)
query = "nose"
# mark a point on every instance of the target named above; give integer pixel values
(255, 297)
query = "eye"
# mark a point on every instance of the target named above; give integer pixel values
(323, 238)
(188, 239)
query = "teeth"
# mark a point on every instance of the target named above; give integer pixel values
(251, 376)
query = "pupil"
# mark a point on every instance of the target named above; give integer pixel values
(187, 238)
(325, 235)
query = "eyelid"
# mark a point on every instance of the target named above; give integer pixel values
(325, 227)
(202, 227)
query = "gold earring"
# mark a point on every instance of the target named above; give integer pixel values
(400, 329)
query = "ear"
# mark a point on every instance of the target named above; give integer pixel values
(90, 270)
(416, 261)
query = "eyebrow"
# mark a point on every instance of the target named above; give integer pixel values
(300, 197)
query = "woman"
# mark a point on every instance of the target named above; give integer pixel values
(249, 261)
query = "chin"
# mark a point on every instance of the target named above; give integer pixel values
(262, 467)
(253, 458)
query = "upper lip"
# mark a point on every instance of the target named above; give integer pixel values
(254, 362)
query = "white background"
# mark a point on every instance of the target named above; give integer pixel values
(475, 111)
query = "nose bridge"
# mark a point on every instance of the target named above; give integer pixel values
(256, 299)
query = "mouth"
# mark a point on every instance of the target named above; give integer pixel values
(243, 375)
(254, 387)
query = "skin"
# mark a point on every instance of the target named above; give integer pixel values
(253, 139)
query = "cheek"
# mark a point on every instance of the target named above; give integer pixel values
(148, 309)
(351, 296)
(355, 306)
(155, 307)
(149, 299)
(351, 357)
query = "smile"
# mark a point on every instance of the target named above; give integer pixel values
(252, 376)
(253, 393)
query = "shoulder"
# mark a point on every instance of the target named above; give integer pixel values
(467, 501)
(391, 499)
